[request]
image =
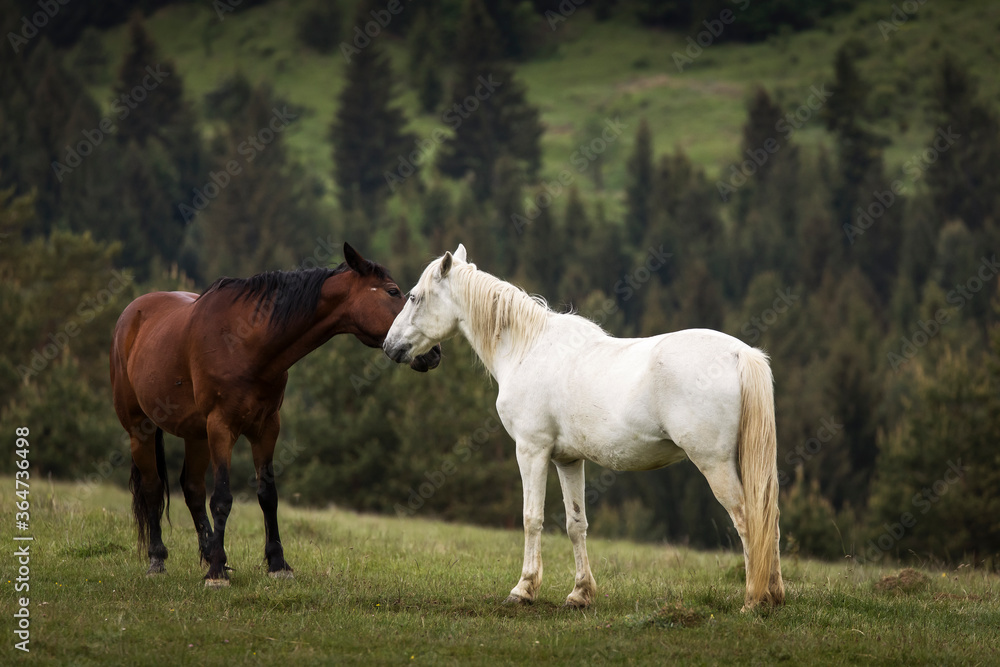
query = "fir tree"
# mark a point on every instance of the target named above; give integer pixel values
(939, 463)
(602, 9)
(91, 58)
(542, 258)
(421, 42)
(608, 262)
(816, 234)
(487, 108)
(156, 125)
(578, 232)
(320, 27)
(681, 208)
(429, 86)
(368, 131)
(639, 187)
(436, 211)
(699, 298)
(425, 60)
(59, 110)
(861, 175)
(847, 104)
(266, 216)
(473, 228)
(859, 150)
(149, 95)
(964, 179)
(659, 309)
(594, 149)
(229, 99)
(407, 263)
(759, 132)
(766, 207)
(144, 198)
(508, 203)
(514, 19)
(577, 225)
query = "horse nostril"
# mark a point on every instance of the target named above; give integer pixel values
(397, 354)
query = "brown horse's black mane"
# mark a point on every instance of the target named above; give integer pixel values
(290, 296)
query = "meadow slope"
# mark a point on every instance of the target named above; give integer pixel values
(381, 590)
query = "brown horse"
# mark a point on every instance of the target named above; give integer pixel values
(213, 367)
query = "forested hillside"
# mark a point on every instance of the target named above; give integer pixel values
(821, 180)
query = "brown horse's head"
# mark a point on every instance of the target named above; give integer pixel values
(375, 301)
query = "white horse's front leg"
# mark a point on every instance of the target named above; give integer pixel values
(572, 481)
(534, 465)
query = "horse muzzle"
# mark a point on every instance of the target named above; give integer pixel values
(400, 353)
(427, 361)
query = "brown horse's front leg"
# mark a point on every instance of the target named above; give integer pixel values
(220, 442)
(267, 496)
(221, 504)
(196, 460)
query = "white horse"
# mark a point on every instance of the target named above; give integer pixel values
(569, 392)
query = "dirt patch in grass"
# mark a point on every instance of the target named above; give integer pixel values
(721, 88)
(676, 615)
(94, 549)
(907, 581)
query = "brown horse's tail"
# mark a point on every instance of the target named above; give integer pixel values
(140, 507)
(759, 471)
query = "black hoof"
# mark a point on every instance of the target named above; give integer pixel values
(156, 566)
(218, 579)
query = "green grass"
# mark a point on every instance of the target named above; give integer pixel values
(381, 590)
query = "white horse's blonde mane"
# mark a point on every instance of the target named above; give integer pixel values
(494, 307)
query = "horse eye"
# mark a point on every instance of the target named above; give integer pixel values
(393, 292)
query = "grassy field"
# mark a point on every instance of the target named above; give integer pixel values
(380, 590)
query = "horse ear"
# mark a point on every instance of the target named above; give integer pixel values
(354, 259)
(460, 253)
(446, 262)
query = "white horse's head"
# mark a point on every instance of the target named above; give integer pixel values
(431, 314)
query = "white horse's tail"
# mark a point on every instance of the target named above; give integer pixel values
(758, 448)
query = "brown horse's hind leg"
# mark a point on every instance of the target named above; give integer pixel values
(149, 487)
(220, 442)
(196, 460)
(267, 496)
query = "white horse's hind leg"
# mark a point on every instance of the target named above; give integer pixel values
(728, 489)
(572, 481)
(534, 467)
